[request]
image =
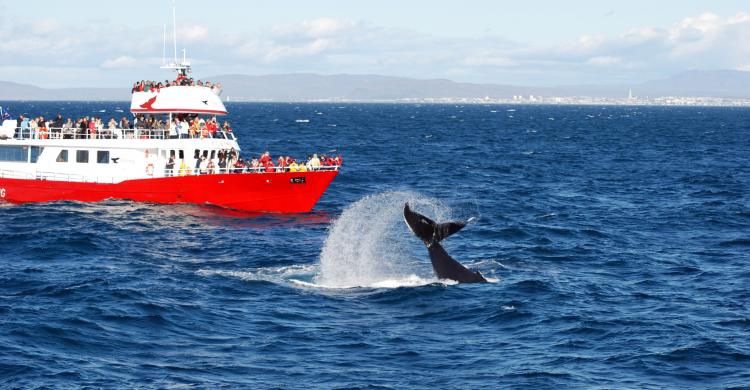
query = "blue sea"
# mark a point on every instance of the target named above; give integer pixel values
(616, 239)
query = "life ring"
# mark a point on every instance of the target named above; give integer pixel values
(150, 169)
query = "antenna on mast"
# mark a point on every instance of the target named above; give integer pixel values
(174, 28)
(164, 48)
(183, 67)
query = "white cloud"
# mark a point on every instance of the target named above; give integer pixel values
(317, 28)
(604, 61)
(120, 62)
(45, 26)
(191, 34)
(334, 45)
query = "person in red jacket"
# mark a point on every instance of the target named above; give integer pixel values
(269, 166)
(265, 158)
(211, 126)
(281, 163)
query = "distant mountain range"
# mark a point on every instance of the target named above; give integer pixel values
(731, 84)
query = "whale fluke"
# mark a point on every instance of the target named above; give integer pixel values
(431, 233)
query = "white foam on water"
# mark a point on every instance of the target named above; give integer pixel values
(408, 281)
(369, 245)
(268, 274)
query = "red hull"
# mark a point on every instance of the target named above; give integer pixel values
(263, 192)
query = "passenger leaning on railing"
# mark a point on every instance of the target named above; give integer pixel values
(83, 128)
(34, 127)
(92, 128)
(148, 127)
(68, 129)
(42, 132)
(313, 163)
(56, 126)
(154, 86)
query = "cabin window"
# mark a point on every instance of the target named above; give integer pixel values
(197, 154)
(13, 153)
(36, 151)
(62, 157)
(102, 157)
(213, 154)
(182, 154)
(82, 156)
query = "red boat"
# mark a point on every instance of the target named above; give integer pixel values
(188, 160)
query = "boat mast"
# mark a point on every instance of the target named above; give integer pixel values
(164, 48)
(174, 36)
(174, 28)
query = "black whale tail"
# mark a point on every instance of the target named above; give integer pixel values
(427, 230)
(431, 233)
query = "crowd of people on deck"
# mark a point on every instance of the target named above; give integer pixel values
(93, 127)
(229, 161)
(149, 86)
(181, 126)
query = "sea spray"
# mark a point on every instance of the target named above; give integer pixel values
(370, 244)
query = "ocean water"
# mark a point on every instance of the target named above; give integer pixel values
(617, 240)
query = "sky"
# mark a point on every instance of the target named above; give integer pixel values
(87, 43)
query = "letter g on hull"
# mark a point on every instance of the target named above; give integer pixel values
(2, 193)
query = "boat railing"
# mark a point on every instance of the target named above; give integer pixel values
(57, 176)
(11, 174)
(103, 179)
(244, 170)
(56, 133)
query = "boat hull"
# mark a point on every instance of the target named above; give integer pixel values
(284, 192)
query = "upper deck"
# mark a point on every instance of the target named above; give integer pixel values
(194, 99)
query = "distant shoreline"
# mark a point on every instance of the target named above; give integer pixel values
(692, 88)
(659, 102)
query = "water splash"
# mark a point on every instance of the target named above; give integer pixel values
(370, 246)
